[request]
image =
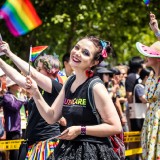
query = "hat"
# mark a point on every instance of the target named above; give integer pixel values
(103, 70)
(9, 82)
(103, 64)
(115, 71)
(1, 72)
(152, 51)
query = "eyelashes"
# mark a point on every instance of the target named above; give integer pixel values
(84, 51)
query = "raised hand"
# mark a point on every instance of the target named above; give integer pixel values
(4, 47)
(153, 23)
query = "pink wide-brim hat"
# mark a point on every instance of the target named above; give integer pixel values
(152, 51)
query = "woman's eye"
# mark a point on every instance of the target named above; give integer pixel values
(76, 47)
(85, 52)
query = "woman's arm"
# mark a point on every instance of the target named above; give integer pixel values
(43, 81)
(50, 114)
(111, 122)
(120, 112)
(13, 73)
(154, 25)
(143, 99)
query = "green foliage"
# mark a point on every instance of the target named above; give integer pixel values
(122, 22)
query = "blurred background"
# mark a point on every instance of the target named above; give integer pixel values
(122, 22)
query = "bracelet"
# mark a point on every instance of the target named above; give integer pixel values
(157, 34)
(83, 130)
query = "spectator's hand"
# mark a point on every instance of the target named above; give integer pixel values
(4, 47)
(70, 133)
(31, 86)
(153, 23)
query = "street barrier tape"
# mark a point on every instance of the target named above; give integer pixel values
(132, 139)
(10, 144)
(133, 151)
(128, 137)
(132, 133)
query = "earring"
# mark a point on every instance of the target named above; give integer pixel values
(89, 73)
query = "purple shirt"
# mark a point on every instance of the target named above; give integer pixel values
(11, 108)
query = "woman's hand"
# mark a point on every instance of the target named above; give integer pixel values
(71, 133)
(4, 47)
(31, 86)
(62, 122)
(153, 23)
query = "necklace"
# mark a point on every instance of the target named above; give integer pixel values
(152, 98)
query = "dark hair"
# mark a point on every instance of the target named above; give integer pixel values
(135, 64)
(97, 42)
(66, 58)
(144, 72)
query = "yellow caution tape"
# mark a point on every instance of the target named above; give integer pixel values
(132, 139)
(132, 133)
(15, 144)
(128, 137)
(10, 144)
(133, 151)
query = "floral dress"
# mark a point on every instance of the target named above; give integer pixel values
(150, 138)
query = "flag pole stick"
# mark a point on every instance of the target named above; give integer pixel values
(29, 62)
(148, 9)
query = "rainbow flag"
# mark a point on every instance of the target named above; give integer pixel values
(35, 52)
(20, 16)
(146, 2)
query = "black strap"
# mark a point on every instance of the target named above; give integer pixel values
(91, 98)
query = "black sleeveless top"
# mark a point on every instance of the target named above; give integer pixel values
(38, 129)
(77, 110)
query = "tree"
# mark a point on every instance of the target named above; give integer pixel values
(123, 22)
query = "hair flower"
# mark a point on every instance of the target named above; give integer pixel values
(104, 45)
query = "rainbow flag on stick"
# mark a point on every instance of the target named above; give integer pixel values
(35, 52)
(20, 16)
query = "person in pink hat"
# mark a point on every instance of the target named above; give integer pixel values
(150, 138)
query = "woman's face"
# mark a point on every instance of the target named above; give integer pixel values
(15, 87)
(40, 68)
(123, 74)
(106, 78)
(150, 62)
(82, 55)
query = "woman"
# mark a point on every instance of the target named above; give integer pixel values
(38, 131)
(83, 138)
(105, 75)
(11, 108)
(140, 101)
(150, 138)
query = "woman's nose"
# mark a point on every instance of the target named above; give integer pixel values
(78, 53)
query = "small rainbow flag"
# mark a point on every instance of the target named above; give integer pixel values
(35, 52)
(146, 2)
(20, 16)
